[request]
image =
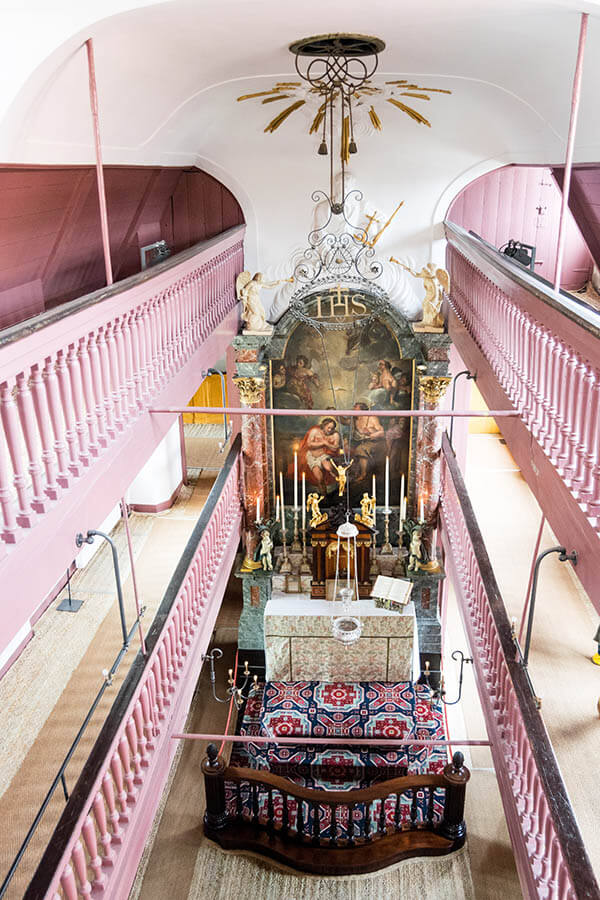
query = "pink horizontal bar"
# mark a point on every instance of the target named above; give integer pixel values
(329, 741)
(334, 413)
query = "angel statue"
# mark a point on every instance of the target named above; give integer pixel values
(266, 546)
(415, 550)
(247, 290)
(341, 475)
(312, 505)
(367, 508)
(435, 281)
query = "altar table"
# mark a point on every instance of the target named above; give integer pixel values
(299, 645)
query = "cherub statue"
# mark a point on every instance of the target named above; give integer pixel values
(415, 553)
(266, 545)
(367, 508)
(247, 289)
(435, 281)
(341, 475)
(312, 505)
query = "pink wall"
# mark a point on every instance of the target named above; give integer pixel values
(523, 202)
(50, 242)
(584, 202)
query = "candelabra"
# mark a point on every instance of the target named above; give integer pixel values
(296, 546)
(233, 691)
(304, 566)
(286, 566)
(386, 547)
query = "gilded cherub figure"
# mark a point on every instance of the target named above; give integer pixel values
(341, 475)
(435, 280)
(367, 509)
(312, 505)
(247, 289)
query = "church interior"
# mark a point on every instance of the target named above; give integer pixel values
(300, 450)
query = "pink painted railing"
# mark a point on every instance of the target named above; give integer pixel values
(73, 380)
(549, 851)
(100, 837)
(544, 350)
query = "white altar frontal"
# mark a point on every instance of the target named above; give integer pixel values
(299, 645)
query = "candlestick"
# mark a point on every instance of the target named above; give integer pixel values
(386, 547)
(304, 564)
(387, 481)
(285, 566)
(295, 479)
(303, 502)
(296, 546)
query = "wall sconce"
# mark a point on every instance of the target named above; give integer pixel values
(239, 698)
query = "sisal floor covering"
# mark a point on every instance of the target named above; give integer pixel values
(51, 686)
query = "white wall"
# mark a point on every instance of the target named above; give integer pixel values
(161, 475)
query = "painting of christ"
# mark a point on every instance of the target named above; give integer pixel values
(335, 370)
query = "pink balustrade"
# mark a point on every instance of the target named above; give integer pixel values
(549, 851)
(72, 381)
(98, 843)
(545, 354)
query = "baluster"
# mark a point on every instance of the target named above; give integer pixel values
(147, 706)
(239, 804)
(57, 422)
(10, 533)
(270, 811)
(42, 415)
(68, 883)
(333, 812)
(10, 421)
(130, 363)
(397, 813)
(105, 839)
(585, 399)
(413, 808)
(367, 822)
(27, 418)
(74, 376)
(255, 807)
(567, 408)
(138, 721)
(143, 374)
(351, 824)
(285, 821)
(125, 757)
(121, 369)
(382, 828)
(105, 377)
(79, 861)
(104, 431)
(300, 819)
(108, 792)
(87, 381)
(430, 807)
(66, 400)
(316, 827)
(131, 733)
(88, 832)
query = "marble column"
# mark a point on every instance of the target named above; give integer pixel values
(251, 383)
(429, 443)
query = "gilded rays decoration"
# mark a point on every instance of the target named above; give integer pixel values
(369, 104)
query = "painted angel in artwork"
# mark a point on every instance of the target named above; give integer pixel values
(247, 289)
(436, 282)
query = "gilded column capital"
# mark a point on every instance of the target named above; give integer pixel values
(434, 387)
(251, 389)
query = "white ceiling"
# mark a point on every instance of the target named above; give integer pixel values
(169, 74)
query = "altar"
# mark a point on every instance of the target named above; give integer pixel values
(299, 645)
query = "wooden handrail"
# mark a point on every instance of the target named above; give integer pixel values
(376, 791)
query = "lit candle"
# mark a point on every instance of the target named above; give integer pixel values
(303, 501)
(401, 494)
(295, 480)
(405, 504)
(258, 508)
(374, 489)
(282, 502)
(387, 482)
(277, 508)
(421, 513)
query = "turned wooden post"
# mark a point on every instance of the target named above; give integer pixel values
(456, 776)
(213, 767)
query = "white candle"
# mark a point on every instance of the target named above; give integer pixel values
(277, 508)
(295, 480)
(421, 514)
(282, 501)
(303, 500)
(374, 489)
(387, 482)
(258, 509)
(401, 494)
(405, 504)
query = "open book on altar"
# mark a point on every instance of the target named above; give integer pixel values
(391, 593)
